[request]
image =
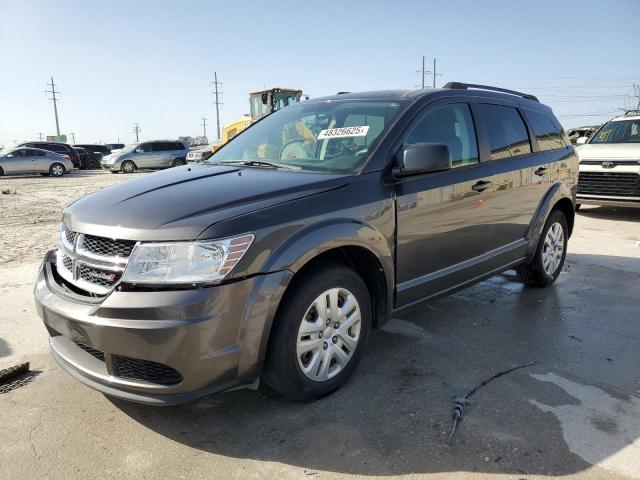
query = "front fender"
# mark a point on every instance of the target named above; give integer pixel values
(285, 261)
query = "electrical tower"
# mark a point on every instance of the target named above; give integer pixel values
(55, 103)
(137, 130)
(204, 126)
(217, 101)
(426, 72)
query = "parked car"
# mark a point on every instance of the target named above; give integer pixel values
(200, 154)
(88, 159)
(56, 147)
(580, 135)
(104, 150)
(22, 160)
(276, 258)
(610, 164)
(114, 146)
(147, 155)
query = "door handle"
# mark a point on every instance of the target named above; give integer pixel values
(541, 171)
(481, 186)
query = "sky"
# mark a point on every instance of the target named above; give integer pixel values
(121, 62)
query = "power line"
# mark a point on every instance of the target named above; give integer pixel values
(217, 102)
(55, 103)
(137, 130)
(204, 126)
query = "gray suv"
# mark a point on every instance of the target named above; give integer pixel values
(274, 259)
(146, 155)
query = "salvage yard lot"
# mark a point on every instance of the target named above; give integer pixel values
(575, 413)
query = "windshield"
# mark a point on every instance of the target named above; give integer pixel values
(621, 131)
(332, 136)
(129, 148)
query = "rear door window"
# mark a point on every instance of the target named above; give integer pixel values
(508, 136)
(548, 134)
(451, 125)
(159, 146)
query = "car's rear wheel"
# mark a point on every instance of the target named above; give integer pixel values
(578, 205)
(128, 167)
(550, 254)
(56, 170)
(320, 333)
(1, 172)
(93, 164)
(178, 162)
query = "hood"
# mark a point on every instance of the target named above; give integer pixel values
(627, 151)
(180, 203)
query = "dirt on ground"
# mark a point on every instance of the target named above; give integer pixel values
(31, 206)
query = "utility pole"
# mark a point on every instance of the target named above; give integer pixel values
(73, 137)
(204, 126)
(55, 103)
(423, 71)
(40, 135)
(217, 102)
(636, 91)
(434, 72)
(137, 130)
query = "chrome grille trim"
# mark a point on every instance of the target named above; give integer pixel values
(82, 261)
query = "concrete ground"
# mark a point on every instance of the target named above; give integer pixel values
(575, 413)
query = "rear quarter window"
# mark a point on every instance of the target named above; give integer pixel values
(548, 134)
(507, 132)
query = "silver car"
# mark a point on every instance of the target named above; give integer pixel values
(21, 160)
(146, 155)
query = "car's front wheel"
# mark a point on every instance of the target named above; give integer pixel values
(550, 254)
(178, 162)
(128, 167)
(319, 334)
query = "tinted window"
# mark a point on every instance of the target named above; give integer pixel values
(145, 147)
(178, 146)
(18, 153)
(54, 147)
(40, 153)
(451, 125)
(507, 132)
(30, 152)
(160, 146)
(548, 134)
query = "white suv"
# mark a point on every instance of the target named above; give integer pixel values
(610, 164)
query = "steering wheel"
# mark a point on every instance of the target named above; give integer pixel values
(293, 149)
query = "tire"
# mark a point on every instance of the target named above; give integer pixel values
(336, 352)
(178, 162)
(93, 164)
(56, 170)
(578, 205)
(1, 172)
(128, 167)
(535, 274)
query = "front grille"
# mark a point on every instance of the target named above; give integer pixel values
(609, 183)
(107, 247)
(97, 276)
(90, 350)
(136, 369)
(70, 236)
(67, 262)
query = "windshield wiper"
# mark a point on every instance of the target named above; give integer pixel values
(259, 163)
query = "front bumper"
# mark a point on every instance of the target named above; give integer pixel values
(112, 167)
(191, 334)
(611, 201)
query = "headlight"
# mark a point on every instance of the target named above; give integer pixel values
(185, 262)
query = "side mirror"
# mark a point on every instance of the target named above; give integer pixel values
(10, 155)
(139, 150)
(422, 158)
(581, 140)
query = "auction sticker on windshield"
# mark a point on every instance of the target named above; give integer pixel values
(343, 132)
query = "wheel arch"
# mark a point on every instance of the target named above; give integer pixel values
(558, 196)
(353, 244)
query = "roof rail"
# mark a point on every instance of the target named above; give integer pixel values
(632, 112)
(464, 86)
(342, 93)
